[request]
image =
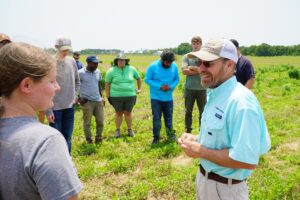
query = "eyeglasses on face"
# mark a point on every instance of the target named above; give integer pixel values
(209, 64)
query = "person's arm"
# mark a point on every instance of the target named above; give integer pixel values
(139, 84)
(249, 84)
(73, 197)
(149, 78)
(250, 74)
(192, 70)
(186, 68)
(107, 89)
(77, 79)
(220, 157)
(50, 115)
(176, 78)
(100, 89)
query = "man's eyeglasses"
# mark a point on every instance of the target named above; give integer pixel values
(208, 64)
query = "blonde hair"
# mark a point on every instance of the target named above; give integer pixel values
(18, 61)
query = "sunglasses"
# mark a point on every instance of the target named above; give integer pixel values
(209, 64)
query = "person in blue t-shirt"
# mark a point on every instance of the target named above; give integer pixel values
(76, 56)
(162, 77)
(233, 132)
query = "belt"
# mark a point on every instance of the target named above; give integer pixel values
(218, 178)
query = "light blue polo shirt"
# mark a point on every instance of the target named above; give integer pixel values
(232, 119)
(89, 84)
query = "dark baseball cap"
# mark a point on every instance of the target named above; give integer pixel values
(235, 42)
(93, 59)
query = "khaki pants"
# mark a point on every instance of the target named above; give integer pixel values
(89, 109)
(208, 189)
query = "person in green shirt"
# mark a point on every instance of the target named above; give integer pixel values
(194, 91)
(121, 90)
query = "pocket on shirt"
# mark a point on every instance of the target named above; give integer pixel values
(213, 133)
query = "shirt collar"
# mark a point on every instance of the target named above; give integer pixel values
(88, 70)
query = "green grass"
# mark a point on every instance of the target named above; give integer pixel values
(129, 168)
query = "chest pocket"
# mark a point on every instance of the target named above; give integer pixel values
(213, 130)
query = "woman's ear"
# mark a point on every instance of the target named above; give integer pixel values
(26, 85)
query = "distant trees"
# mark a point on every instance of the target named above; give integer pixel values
(183, 48)
(100, 51)
(270, 50)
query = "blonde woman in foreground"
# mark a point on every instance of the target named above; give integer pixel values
(34, 159)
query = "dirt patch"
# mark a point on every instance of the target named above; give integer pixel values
(290, 147)
(182, 160)
(169, 196)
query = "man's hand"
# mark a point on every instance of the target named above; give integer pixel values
(51, 118)
(165, 87)
(190, 147)
(188, 143)
(188, 137)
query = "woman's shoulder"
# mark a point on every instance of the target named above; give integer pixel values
(112, 69)
(40, 131)
(27, 130)
(131, 67)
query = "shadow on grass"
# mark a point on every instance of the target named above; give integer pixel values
(163, 149)
(87, 149)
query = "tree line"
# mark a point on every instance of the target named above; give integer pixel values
(253, 50)
(271, 50)
(185, 47)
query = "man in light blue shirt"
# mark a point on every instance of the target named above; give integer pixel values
(233, 131)
(162, 77)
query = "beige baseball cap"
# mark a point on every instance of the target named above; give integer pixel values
(4, 37)
(216, 48)
(63, 43)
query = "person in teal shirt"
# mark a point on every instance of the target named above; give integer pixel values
(233, 132)
(162, 77)
(121, 90)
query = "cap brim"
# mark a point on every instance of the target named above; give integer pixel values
(63, 48)
(8, 40)
(203, 55)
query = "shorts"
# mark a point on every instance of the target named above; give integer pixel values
(123, 103)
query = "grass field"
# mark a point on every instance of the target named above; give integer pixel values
(129, 168)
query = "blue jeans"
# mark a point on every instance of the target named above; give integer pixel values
(159, 108)
(64, 123)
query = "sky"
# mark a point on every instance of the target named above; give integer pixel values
(139, 24)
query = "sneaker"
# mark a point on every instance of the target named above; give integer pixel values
(171, 135)
(89, 140)
(118, 133)
(130, 133)
(155, 141)
(98, 140)
(188, 130)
